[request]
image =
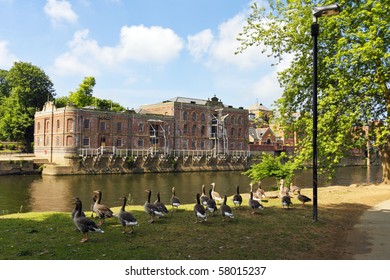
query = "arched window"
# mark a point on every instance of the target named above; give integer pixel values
(194, 116)
(185, 115)
(203, 117)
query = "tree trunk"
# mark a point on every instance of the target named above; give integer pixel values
(385, 159)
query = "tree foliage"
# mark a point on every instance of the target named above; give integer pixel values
(279, 167)
(83, 96)
(24, 89)
(353, 73)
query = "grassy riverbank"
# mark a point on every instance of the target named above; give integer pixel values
(275, 233)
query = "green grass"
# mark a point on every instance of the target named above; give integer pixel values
(274, 233)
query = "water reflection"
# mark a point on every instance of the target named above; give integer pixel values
(55, 193)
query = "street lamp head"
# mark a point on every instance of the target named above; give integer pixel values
(325, 11)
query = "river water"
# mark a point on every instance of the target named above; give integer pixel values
(54, 193)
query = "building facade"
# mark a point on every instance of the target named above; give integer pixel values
(178, 124)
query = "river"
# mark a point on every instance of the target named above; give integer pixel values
(54, 193)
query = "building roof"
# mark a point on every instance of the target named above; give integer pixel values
(258, 107)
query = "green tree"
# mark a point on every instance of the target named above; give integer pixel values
(30, 84)
(279, 167)
(4, 88)
(83, 95)
(24, 89)
(353, 73)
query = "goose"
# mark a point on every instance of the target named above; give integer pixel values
(204, 197)
(160, 205)
(150, 208)
(294, 188)
(237, 198)
(254, 204)
(199, 210)
(260, 193)
(215, 195)
(74, 211)
(255, 196)
(126, 218)
(101, 210)
(175, 201)
(225, 209)
(91, 208)
(83, 224)
(303, 198)
(286, 201)
(211, 205)
(282, 190)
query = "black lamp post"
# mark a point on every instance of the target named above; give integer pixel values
(320, 11)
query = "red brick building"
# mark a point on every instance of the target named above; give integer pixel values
(172, 125)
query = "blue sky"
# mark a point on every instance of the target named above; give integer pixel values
(140, 51)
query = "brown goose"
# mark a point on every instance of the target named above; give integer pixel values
(160, 205)
(255, 196)
(225, 209)
(175, 201)
(204, 197)
(150, 208)
(237, 198)
(254, 204)
(303, 198)
(260, 193)
(74, 211)
(211, 205)
(83, 224)
(199, 210)
(294, 188)
(286, 201)
(126, 218)
(215, 195)
(101, 210)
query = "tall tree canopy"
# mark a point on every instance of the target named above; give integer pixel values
(83, 96)
(23, 89)
(353, 73)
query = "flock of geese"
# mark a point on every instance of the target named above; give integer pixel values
(205, 205)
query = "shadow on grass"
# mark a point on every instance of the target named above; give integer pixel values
(275, 233)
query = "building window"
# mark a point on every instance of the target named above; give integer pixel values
(239, 132)
(231, 146)
(239, 121)
(232, 132)
(202, 145)
(194, 129)
(140, 127)
(102, 126)
(86, 123)
(185, 144)
(69, 141)
(194, 144)
(119, 142)
(185, 115)
(38, 126)
(47, 126)
(202, 130)
(57, 140)
(86, 141)
(194, 116)
(140, 142)
(69, 125)
(203, 117)
(119, 126)
(58, 124)
(232, 120)
(240, 145)
(185, 129)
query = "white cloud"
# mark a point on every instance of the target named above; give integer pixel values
(219, 51)
(6, 57)
(200, 43)
(137, 43)
(153, 44)
(60, 11)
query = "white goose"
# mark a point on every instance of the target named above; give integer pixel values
(215, 195)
